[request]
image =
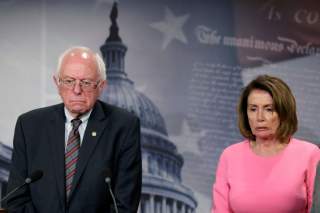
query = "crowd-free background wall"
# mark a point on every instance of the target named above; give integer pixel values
(182, 63)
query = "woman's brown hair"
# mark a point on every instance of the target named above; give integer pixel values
(283, 101)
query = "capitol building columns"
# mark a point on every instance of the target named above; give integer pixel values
(164, 205)
(158, 204)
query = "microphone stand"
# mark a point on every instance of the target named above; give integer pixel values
(13, 191)
(108, 181)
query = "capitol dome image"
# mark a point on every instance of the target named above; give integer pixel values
(162, 188)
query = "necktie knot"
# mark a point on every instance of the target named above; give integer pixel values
(76, 123)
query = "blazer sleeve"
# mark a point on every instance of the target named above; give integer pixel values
(20, 201)
(316, 192)
(312, 178)
(220, 190)
(129, 171)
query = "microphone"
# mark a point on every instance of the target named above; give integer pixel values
(36, 175)
(107, 179)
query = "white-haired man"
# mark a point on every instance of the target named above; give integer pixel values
(74, 143)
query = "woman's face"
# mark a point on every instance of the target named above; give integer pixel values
(263, 119)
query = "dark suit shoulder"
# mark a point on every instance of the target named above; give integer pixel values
(42, 113)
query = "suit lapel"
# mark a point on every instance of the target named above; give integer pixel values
(96, 124)
(57, 142)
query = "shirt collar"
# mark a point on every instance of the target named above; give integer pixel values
(83, 117)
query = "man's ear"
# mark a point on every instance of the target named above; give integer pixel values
(103, 85)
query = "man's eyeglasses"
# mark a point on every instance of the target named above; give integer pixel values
(86, 85)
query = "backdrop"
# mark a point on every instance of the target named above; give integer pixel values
(190, 59)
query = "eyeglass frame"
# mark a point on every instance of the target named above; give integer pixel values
(82, 83)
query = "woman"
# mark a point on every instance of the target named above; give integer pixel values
(270, 171)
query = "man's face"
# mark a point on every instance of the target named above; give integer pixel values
(79, 83)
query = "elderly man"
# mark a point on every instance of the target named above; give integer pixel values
(76, 144)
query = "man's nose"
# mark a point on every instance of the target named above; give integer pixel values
(77, 88)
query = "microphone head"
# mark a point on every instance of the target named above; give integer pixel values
(36, 175)
(107, 175)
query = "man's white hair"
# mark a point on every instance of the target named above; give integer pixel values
(98, 58)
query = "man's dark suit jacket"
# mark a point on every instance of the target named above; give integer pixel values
(111, 140)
